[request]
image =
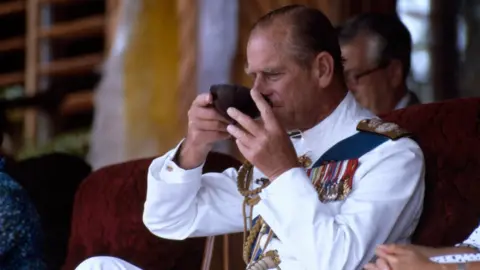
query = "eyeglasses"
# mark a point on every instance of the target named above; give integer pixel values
(353, 79)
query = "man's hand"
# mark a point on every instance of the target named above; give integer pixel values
(205, 127)
(266, 145)
(379, 264)
(401, 257)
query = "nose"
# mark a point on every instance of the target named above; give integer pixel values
(264, 91)
(259, 86)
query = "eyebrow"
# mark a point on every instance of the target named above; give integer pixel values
(265, 70)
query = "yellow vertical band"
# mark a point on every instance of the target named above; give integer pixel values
(150, 80)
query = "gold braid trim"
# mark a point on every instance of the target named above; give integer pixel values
(244, 179)
(274, 255)
(245, 175)
(247, 246)
(251, 198)
(267, 261)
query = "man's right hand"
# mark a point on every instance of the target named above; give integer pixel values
(205, 127)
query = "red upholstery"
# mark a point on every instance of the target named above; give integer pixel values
(449, 135)
(107, 213)
(107, 220)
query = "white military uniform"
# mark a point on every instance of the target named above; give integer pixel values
(383, 207)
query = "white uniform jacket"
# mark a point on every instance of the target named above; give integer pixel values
(383, 207)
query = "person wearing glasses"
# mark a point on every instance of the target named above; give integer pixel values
(376, 49)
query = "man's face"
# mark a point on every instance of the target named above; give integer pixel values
(277, 75)
(368, 81)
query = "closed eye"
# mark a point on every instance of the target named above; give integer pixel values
(272, 76)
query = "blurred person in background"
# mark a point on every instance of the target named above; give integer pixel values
(377, 49)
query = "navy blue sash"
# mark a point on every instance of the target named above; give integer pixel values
(352, 147)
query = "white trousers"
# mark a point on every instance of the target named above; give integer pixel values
(105, 263)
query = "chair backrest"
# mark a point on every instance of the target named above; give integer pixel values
(107, 220)
(108, 206)
(449, 134)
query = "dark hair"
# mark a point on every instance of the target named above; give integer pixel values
(397, 41)
(311, 33)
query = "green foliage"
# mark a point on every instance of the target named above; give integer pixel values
(11, 92)
(74, 143)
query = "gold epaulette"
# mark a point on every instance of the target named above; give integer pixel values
(377, 126)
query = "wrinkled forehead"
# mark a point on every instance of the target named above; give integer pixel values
(267, 49)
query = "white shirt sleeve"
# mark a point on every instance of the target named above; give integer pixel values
(184, 203)
(386, 198)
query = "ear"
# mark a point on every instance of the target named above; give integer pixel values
(395, 73)
(323, 68)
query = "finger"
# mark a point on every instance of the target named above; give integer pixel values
(203, 100)
(382, 264)
(263, 106)
(381, 253)
(390, 260)
(209, 125)
(370, 266)
(216, 136)
(223, 135)
(245, 121)
(242, 148)
(393, 249)
(203, 113)
(240, 134)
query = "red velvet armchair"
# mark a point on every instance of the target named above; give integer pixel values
(107, 220)
(107, 213)
(449, 134)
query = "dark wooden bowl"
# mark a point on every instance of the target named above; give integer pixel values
(237, 96)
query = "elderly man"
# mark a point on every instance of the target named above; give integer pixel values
(377, 50)
(320, 197)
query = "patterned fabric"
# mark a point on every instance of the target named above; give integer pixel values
(54, 175)
(457, 258)
(473, 241)
(20, 230)
(333, 181)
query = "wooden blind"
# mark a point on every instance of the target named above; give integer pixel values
(54, 45)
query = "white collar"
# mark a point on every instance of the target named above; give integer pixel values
(340, 124)
(403, 103)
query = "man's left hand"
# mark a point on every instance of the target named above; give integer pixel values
(265, 144)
